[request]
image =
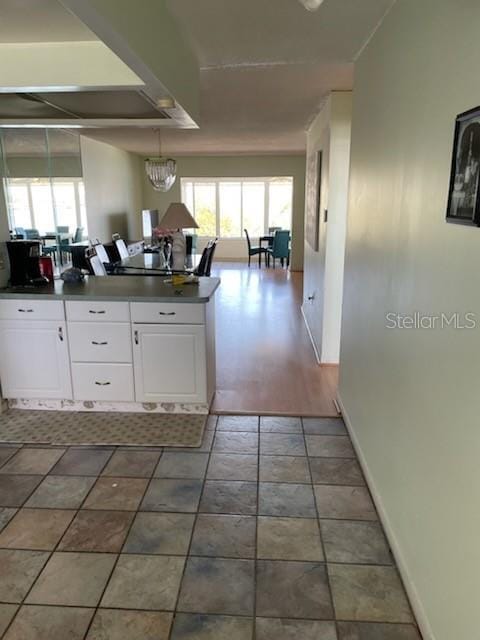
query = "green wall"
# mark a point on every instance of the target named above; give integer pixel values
(411, 396)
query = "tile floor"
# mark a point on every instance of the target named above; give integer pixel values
(266, 531)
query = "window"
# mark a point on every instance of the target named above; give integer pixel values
(44, 204)
(225, 206)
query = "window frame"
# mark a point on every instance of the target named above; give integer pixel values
(51, 182)
(266, 181)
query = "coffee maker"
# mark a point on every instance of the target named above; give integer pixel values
(24, 256)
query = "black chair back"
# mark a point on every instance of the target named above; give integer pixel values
(248, 241)
(211, 253)
(205, 264)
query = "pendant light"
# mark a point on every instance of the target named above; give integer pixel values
(161, 172)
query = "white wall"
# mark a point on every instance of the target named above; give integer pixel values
(238, 167)
(113, 191)
(411, 396)
(323, 277)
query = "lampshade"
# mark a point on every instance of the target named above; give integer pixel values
(177, 216)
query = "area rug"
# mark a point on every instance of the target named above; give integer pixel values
(117, 429)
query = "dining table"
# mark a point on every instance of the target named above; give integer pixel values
(59, 239)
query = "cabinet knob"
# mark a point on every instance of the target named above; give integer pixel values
(311, 297)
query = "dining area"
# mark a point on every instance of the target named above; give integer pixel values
(56, 244)
(276, 245)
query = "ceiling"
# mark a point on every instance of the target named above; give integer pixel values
(266, 67)
(40, 21)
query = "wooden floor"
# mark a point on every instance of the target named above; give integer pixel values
(265, 361)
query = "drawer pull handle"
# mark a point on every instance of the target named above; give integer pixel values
(102, 384)
(98, 343)
(92, 311)
(136, 337)
(165, 313)
(60, 334)
(26, 310)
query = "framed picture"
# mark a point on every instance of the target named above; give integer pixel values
(314, 184)
(464, 193)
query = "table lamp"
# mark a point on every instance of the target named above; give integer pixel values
(178, 217)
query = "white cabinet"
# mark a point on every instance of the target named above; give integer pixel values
(170, 363)
(34, 359)
(100, 341)
(103, 381)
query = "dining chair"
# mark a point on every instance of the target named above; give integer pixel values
(65, 244)
(32, 234)
(280, 247)
(20, 232)
(121, 246)
(205, 265)
(255, 250)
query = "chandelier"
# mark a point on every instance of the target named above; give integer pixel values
(161, 172)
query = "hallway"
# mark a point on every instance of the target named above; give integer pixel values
(265, 361)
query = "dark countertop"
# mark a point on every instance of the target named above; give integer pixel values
(140, 288)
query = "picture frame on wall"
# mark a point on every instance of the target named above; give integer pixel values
(464, 192)
(314, 184)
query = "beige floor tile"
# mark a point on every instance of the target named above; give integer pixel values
(19, 569)
(213, 585)
(39, 529)
(284, 469)
(275, 424)
(285, 629)
(191, 626)
(101, 531)
(233, 466)
(72, 579)
(113, 624)
(15, 489)
(179, 464)
(329, 446)
(349, 503)
(237, 423)
(282, 444)
(61, 492)
(7, 611)
(144, 582)
(82, 461)
(289, 539)
(223, 496)
(49, 623)
(116, 494)
(293, 590)
(160, 533)
(376, 631)
(355, 542)
(292, 500)
(366, 593)
(132, 464)
(34, 461)
(226, 536)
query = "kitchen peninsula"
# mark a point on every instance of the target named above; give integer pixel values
(124, 343)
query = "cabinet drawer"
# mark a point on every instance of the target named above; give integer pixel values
(31, 310)
(101, 381)
(168, 313)
(100, 341)
(97, 311)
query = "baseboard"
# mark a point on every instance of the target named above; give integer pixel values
(412, 593)
(317, 355)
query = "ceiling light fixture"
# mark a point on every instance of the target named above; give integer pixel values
(311, 5)
(161, 172)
